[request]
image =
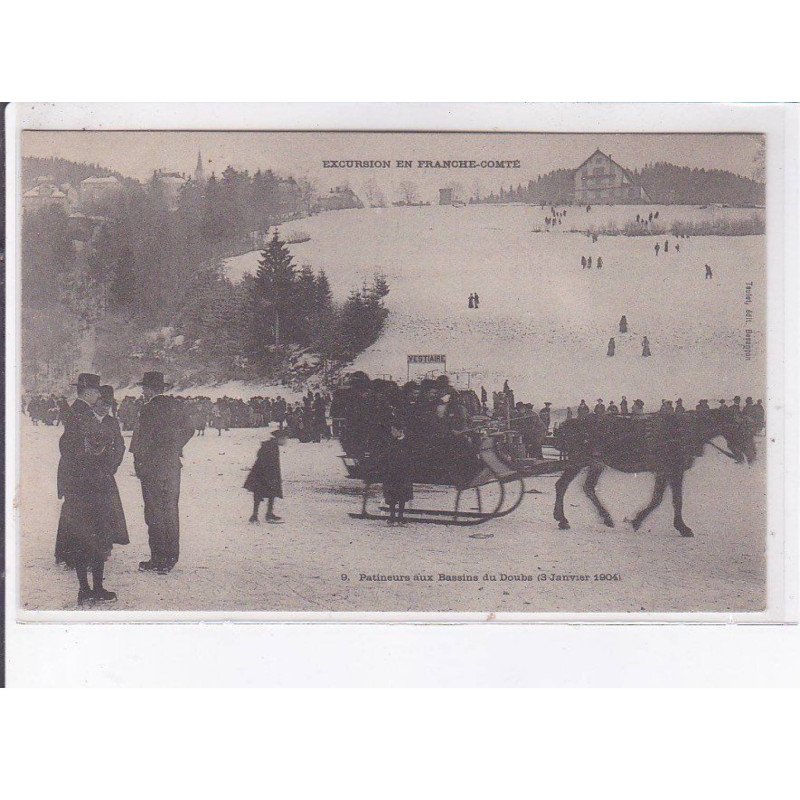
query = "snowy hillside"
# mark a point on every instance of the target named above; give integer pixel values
(544, 322)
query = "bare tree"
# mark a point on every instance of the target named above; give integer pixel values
(373, 194)
(307, 189)
(408, 192)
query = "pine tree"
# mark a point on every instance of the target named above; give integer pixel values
(272, 294)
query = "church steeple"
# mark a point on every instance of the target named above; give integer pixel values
(199, 174)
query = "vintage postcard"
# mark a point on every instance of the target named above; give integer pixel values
(398, 373)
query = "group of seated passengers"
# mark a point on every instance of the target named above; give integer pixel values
(434, 417)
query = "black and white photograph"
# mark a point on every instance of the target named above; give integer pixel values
(420, 372)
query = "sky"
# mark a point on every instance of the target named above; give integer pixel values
(301, 154)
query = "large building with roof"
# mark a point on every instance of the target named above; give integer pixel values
(96, 190)
(601, 181)
(43, 195)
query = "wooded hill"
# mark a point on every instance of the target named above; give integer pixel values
(665, 184)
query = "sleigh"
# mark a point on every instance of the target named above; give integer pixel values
(493, 481)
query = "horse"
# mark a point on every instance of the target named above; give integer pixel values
(664, 444)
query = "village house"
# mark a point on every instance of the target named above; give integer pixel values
(601, 181)
(43, 195)
(170, 184)
(96, 190)
(339, 197)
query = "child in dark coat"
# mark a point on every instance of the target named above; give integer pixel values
(395, 474)
(264, 480)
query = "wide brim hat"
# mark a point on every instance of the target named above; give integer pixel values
(87, 380)
(154, 380)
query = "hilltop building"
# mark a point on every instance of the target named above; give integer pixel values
(96, 190)
(339, 197)
(170, 184)
(46, 194)
(445, 197)
(601, 181)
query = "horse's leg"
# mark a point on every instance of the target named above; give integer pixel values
(567, 476)
(655, 502)
(595, 469)
(676, 484)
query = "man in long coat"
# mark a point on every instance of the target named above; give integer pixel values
(163, 429)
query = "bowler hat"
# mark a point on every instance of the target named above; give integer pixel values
(107, 394)
(88, 380)
(154, 380)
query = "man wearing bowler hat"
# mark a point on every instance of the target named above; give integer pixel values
(163, 429)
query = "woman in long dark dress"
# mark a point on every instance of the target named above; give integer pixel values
(92, 519)
(117, 528)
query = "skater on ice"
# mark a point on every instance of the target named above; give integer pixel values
(623, 324)
(471, 303)
(544, 413)
(611, 347)
(657, 248)
(709, 273)
(623, 406)
(394, 471)
(646, 348)
(264, 479)
(477, 301)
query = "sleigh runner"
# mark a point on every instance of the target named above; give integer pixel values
(492, 472)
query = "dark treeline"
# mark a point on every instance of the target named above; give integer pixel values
(255, 327)
(145, 257)
(664, 183)
(668, 184)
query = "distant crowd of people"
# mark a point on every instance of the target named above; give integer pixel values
(753, 411)
(45, 409)
(304, 420)
(556, 217)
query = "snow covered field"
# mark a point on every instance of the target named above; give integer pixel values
(228, 564)
(543, 322)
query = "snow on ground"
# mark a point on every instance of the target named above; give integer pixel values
(543, 322)
(241, 389)
(228, 564)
